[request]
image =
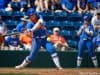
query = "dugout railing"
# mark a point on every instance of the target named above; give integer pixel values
(68, 59)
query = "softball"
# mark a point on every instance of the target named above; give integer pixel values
(48, 39)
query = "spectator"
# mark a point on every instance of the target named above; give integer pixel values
(59, 41)
(24, 5)
(13, 42)
(26, 40)
(41, 5)
(15, 5)
(82, 6)
(3, 31)
(55, 5)
(91, 6)
(30, 3)
(96, 21)
(21, 26)
(30, 10)
(8, 8)
(69, 5)
(96, 41)
(94, 3)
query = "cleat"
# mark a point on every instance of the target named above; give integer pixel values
(19, 67)
(24, 64)
(59, 68)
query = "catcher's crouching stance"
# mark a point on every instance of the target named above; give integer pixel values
(39, 39)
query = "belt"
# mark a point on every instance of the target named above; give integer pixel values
(87, 38)
(40, 37)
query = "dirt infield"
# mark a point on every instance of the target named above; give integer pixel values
(48, 71)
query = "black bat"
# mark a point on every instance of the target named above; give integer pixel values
(14, 33)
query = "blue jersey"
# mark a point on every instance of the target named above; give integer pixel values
(39, 32)
(94, 3)
(84, 35)
(23, 3)
(83, 4)
(20, 27)
(13, 41)
(69, 4)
